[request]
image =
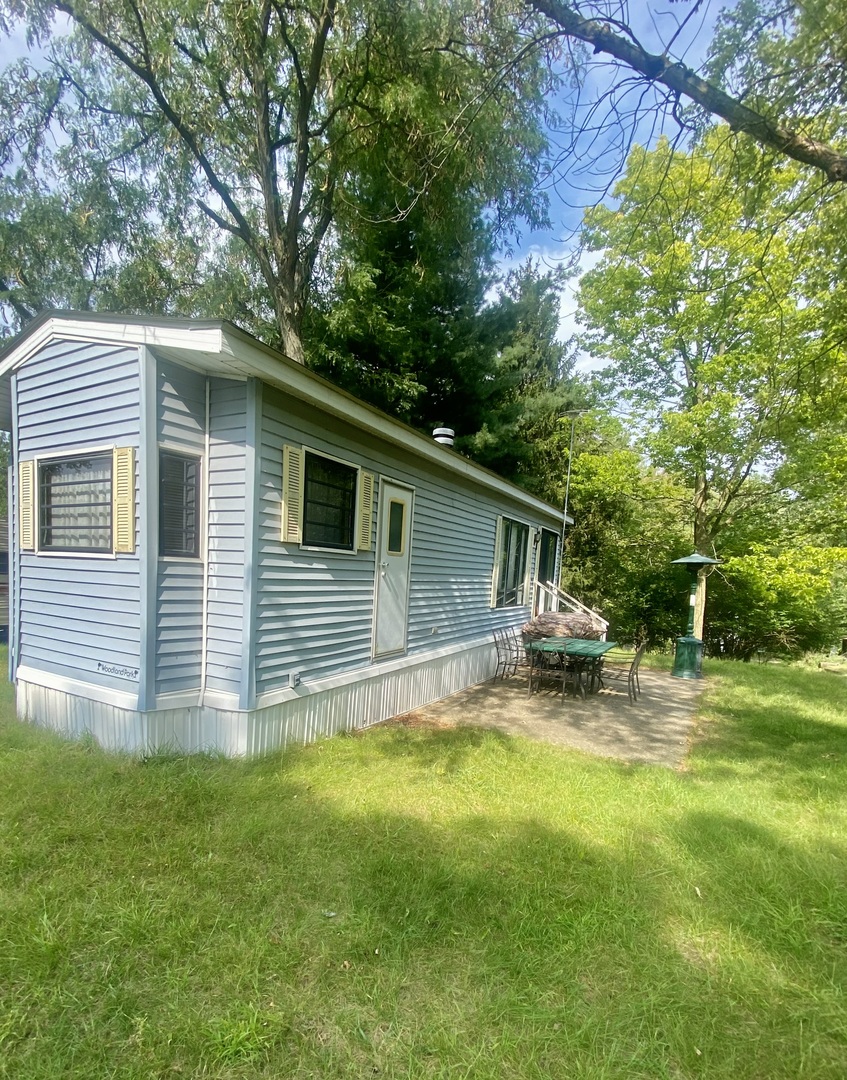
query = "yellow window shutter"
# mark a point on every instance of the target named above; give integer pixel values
(26, 505)
(366, 511)
(123, 500)
(293, 468)
(495, 573)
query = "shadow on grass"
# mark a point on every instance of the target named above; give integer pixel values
(447, 747)
(215, 918)
(791, 899)
(201, 917)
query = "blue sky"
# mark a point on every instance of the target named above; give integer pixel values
(588, 173)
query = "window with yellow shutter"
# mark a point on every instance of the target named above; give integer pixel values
(75, 504)
(26, 505)
(326, 502)
(124, 500)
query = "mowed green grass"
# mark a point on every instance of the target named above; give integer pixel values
(422, 903)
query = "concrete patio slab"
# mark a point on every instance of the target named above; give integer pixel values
(654, 731)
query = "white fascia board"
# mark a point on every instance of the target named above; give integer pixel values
(223, 348)
(301, 383)
(203, 337)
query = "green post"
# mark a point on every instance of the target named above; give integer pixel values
(688, 661)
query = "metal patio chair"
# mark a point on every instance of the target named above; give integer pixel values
(618, 665)
(556, 667)
(511, 652)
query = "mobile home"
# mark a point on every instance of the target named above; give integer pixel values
(215, 549)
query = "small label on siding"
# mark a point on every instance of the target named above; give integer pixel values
(118, 671)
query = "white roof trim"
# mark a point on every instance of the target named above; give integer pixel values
(205, 337)
(223, 348)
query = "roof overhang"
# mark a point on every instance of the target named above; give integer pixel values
(221, 348)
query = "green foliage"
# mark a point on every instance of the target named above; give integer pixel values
(399, 325)
(790, 601)
(629, 524)
(410, 330)
(708, 305)
(92, 246)
(788, 59)
(528, 385)
(275, 124)
(785, 60)
(702, 311)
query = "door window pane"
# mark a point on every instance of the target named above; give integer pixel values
(396, 519)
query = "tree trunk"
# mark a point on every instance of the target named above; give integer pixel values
(701, 545)
(292, 343)
(289, 319)
(700, 602)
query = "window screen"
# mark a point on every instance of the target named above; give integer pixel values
(329, 503)
(179, 505)
(514, 547)
(75, 504)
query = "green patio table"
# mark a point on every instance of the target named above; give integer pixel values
(585, 649)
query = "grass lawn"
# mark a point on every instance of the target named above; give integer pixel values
(416, 903)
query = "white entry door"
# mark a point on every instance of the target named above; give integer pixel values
(391, 596)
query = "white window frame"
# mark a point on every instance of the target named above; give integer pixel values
(181, 451)
(66, 455)
(522, 598)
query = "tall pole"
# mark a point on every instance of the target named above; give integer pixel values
(573, 415)
(688, 660)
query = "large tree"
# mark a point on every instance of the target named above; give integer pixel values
(700, 305)
(271, 115)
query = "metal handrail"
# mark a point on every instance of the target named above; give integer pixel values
(562, 599)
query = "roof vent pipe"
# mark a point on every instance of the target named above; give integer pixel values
(443, 435)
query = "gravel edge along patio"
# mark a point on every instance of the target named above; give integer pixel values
(654, 731)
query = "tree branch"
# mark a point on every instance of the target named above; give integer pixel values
(21, 310)
(682, 80)
(177, 121)
(308, 88)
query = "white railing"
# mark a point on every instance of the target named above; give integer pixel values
(549, 597)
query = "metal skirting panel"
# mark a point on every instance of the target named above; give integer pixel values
(197, 729)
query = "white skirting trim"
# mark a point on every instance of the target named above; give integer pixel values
(193, 729)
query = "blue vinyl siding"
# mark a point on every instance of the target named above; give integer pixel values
(181, 412)
(79, 611)
(179, 626)
(227, 507)
(180, 425)
(315, 609)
